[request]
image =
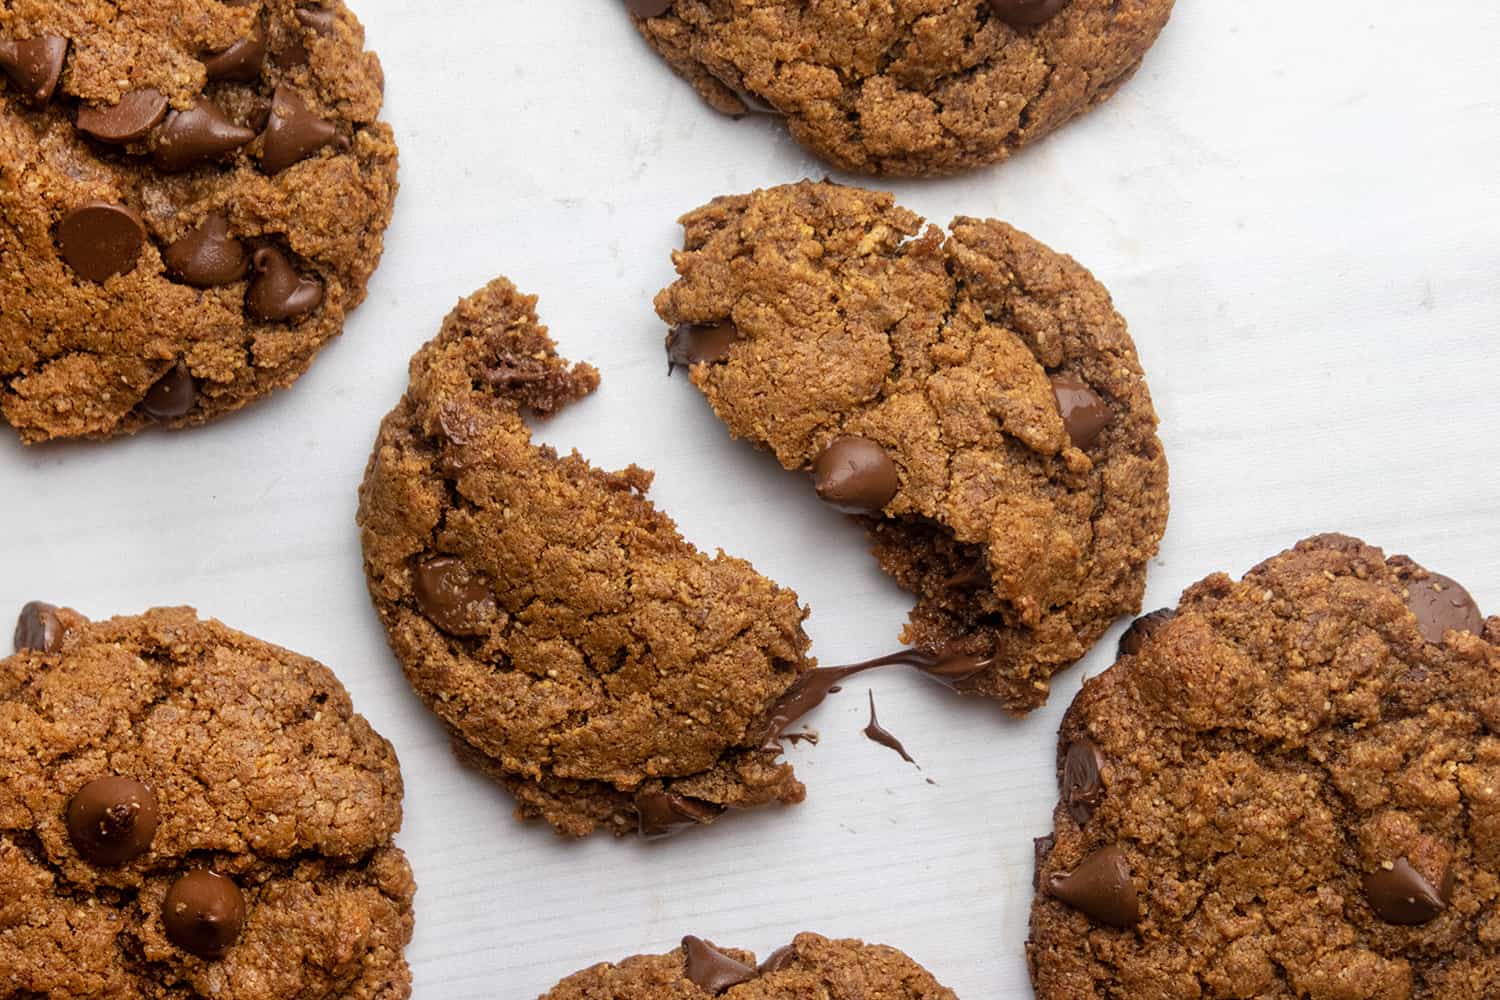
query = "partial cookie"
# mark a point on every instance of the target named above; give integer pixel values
(915, 87)
(194, 194)
(580, 651)
(974, 398)
(188, 812)
(1285, 789)
(811, 966)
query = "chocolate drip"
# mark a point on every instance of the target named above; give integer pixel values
(877, 733)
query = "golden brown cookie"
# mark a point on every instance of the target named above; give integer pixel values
(810, 967)
(910, 87)
(579, 650)
(973, 397)
(191, 813)
(1287, 788)
(194, 194)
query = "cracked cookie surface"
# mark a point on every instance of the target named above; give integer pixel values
(811, 966)
(194, 199)
(973, 397)
(910, 87)
(241, 764)
(1285, 789)
(579, 650)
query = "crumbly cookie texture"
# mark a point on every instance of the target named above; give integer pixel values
(197, 200)
(187, 812)
(974, 397)
(811, 966)
(910, 87)
(578, 648)
(1290, 788)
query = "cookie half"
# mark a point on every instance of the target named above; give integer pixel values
(195, 195)
(1285, 788)
(910, 88)
(186, 811)
(580, 651)
(811, 966)
(973, 397)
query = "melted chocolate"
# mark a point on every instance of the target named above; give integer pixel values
(875, 732)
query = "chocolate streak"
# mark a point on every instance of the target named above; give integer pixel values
(809, 690)
(879, 734)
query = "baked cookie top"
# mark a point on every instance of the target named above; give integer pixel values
(974, 397)
(188, 812)
(195, 198)
(1289, 788)
(811, 966)
(906, 87)
(579, 649)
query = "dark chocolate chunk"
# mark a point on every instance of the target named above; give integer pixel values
(1084, 414)
(855, 475)
(648, 8)
(1440, 604)
(691, 344)
(242, 61)
(711, 969)
(665, 813)
(173, 395)
(35, 64)
(451, 598)
(204, 913)
(278, 292)
(319, 19)
(112, 820)
(137, 113)
(38, 628)
(1401, 895)
(208, 256)
(99, 239)
(1142, 629)
(197, 135)
(1026, 13)
(1101, 888)
(1082, 779)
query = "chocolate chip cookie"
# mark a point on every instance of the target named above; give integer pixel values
(188, 812)
(811, 966)
(916, 87)
(1288, 787)
(972, 397)
(195, 194)
(580, 651)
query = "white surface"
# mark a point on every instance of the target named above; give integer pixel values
(1295, 210)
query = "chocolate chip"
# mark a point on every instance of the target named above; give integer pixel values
(662, 814)
(319, 19)
(293, 132)
(1401, 895)
(208, 256)
(99, 239)
(648, 8)
(1101, 888)
(452, 599)
(779, 959)
(38, 628)
(1143, 629)
(1026, 13)
(711, 969)
(242, 61)
(1082, 782)
(137, 113)
(112, 820)
(1441, 604)
(173, 395)
(278, 292)
(35, 64)
(692, 344)
(1084, 413)
(204, 913)
(855, 475)
(197, 135)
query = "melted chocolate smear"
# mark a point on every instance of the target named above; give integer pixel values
(807, 737)
(876, 733)
(809, 690)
